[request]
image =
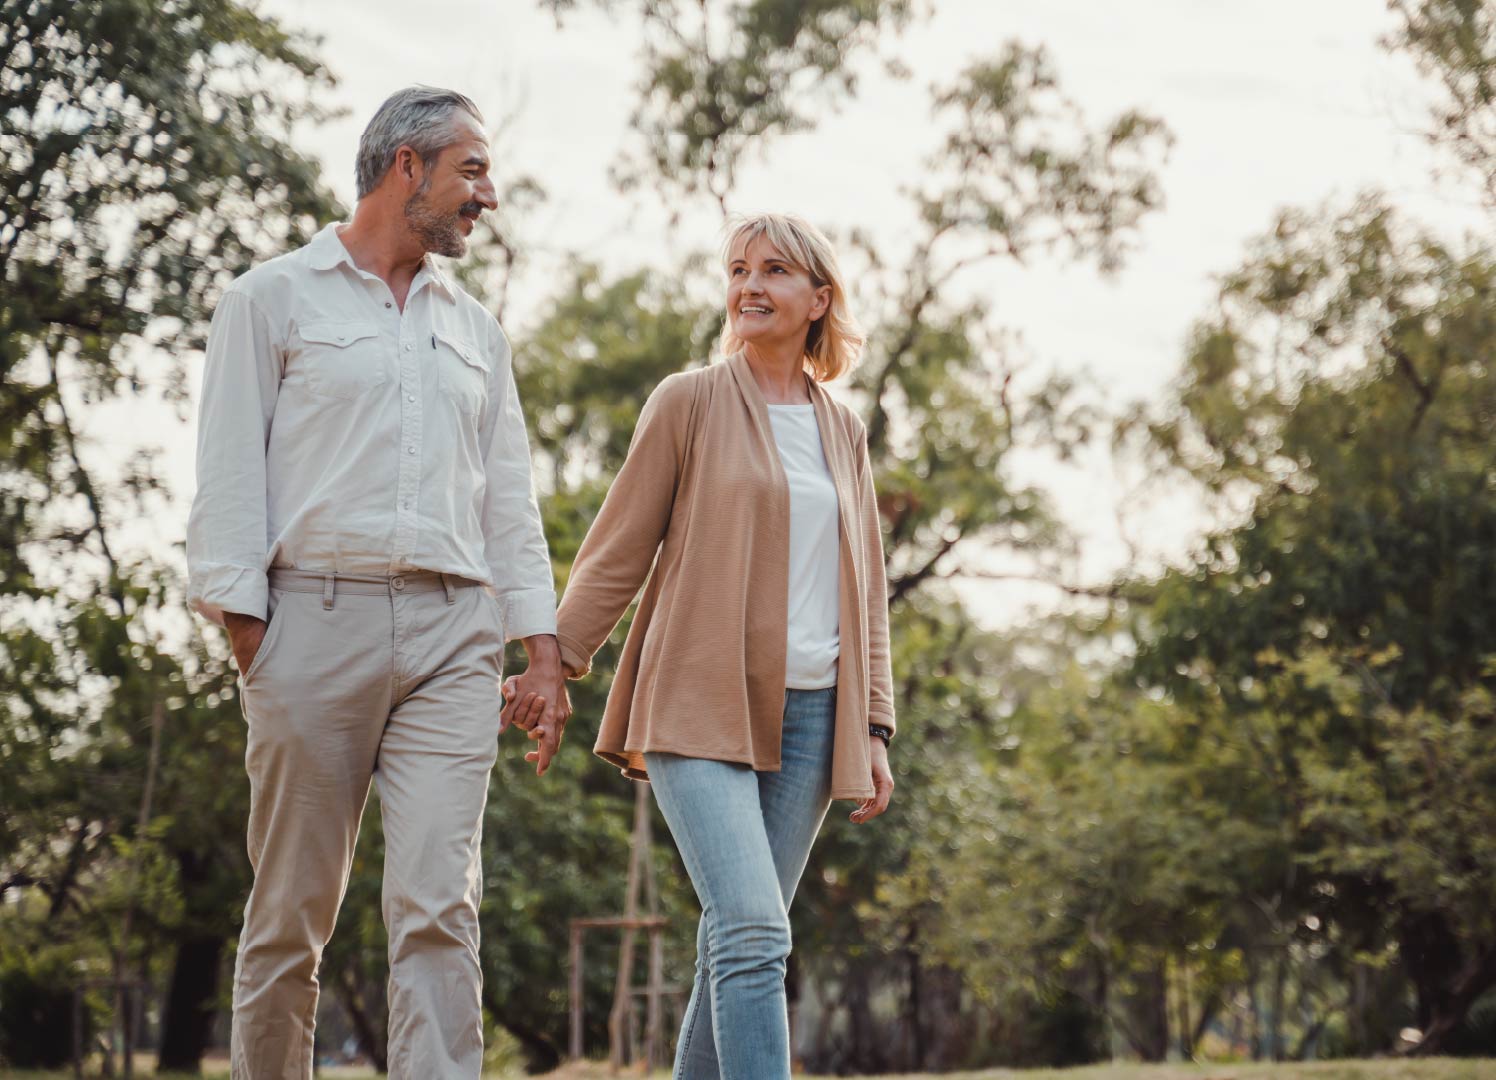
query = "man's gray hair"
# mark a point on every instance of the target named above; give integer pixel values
(419, 117)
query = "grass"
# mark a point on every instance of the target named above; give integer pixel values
(1386, 1069)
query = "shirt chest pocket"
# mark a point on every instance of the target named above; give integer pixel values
(461, 373)
(341, 359)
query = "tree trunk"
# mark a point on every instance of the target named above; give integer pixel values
(1476, 977)
(187, 1018)
(1432, 956)
(1275, 1018)
(1148, 1015)
(1255, 1005)
(916, 1061)
(372, 1038)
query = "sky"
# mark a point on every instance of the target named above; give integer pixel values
(1274, 104)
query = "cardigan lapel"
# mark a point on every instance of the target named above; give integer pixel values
(753, 396)
(838, 454)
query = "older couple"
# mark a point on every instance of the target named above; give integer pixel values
(366, 529)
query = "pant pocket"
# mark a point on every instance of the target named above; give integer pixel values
(272, 632)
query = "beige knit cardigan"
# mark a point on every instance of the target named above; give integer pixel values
(702, 498)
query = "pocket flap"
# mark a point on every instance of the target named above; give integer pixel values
(337, 333)
(469, 353)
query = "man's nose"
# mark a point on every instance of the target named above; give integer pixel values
(486, 195)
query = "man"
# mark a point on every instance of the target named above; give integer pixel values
(366, 528)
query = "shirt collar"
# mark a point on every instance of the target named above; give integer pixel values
(327, 251)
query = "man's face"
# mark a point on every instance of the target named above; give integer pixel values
(453, 192)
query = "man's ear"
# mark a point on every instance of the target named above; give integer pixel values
(408, 166)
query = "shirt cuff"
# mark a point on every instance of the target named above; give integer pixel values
(527, 612)
(216, 588)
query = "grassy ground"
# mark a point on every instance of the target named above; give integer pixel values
(1431, 1069)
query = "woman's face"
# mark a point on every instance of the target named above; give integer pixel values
(770, 300)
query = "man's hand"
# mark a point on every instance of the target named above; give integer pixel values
(246, 634)
(536, 700)
(882, 783)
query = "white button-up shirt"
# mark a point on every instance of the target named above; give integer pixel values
(339, 433)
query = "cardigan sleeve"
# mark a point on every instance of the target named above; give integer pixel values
(880, 666)
(620, 547)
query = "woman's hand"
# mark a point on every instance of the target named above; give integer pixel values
(882, 783)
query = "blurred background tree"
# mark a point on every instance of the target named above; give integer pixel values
(146, 161)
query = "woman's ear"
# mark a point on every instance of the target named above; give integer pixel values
(822, 302)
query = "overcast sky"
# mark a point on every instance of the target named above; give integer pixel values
(1275, 103)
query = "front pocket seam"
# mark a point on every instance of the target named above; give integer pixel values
(264, 650)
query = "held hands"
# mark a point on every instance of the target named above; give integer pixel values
(536, 701)
(882, 784)
(246, 635)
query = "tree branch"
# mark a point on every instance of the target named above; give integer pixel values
(86, 488)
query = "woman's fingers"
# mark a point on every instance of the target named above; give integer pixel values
(871, 808)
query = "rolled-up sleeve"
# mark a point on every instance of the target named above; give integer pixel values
(226, 531)
(514, 541)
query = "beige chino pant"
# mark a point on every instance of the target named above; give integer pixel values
(394, 680)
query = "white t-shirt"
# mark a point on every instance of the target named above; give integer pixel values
(815, 550)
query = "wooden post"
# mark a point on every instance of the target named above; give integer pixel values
(579, 927)
(654, 1044)
(624, 982)
(575, 1047)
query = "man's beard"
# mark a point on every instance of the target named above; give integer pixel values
(438, 232)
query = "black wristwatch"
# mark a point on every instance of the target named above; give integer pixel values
(884, 733)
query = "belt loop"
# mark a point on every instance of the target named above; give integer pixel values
(451, 589)
(327, 590)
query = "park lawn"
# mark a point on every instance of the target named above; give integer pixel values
(1390, 1069)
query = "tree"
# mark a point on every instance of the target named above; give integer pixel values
(720, 79)
(1343, 392)
(146, 162)
(1454, 43)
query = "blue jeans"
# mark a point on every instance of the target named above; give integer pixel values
(744, 837)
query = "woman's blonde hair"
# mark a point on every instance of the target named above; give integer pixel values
(834, 343)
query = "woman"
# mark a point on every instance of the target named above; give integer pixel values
(754, 686)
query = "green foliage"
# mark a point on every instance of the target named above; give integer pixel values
(36, 1010)
(145, 162)
(1338, 634)
(1454, 43)
(719, 79)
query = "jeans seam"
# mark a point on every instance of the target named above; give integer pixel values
(690, 1034)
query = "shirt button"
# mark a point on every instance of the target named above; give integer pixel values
(408, 347)
(410, 449)
(388, 304)
(398, 583)
(405, 505)
(410, 397)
